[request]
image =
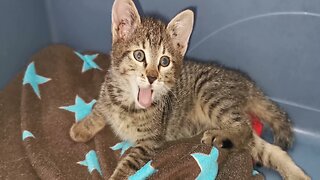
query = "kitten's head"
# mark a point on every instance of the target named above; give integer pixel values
(147, 53)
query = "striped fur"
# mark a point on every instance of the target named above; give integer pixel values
(188, 98)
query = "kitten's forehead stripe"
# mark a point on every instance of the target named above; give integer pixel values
(163, 49)
(148, 39)
(153, 31)
(137, 43)
(160, 41)
(144, 44)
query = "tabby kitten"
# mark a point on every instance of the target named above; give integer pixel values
(150, 96)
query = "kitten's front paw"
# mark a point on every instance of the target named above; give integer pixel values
(79, 133)
(117, 176)
(112, 178)
(216, 138)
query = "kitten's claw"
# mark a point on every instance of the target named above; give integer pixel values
(215, 138)
(79, 133)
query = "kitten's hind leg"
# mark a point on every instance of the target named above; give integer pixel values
(274, 157)
(85, 130)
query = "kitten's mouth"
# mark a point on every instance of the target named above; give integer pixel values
(145, 97)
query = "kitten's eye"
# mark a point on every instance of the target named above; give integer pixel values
(138, 55)
(164, 61)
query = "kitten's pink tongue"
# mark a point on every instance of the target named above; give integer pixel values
(145, 97)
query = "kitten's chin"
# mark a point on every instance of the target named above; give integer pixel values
(139, 106)
(144, 97)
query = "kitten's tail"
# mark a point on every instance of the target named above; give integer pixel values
(268, 112)
(274, 157)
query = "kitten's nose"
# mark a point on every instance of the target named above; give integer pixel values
(151, 79)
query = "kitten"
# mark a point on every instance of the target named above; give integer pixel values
(150, 96)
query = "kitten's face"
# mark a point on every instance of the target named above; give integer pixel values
(148, 61)
(146, 53)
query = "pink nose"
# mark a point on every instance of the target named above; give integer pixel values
(151, 79)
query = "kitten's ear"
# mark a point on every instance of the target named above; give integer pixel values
(125, 19)
(180, 29)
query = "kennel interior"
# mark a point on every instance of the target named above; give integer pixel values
(277, 42)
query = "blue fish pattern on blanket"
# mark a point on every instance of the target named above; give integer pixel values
(31, 77)
(80, 108)
(207, 163)
(91, 161)
(88, 62)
